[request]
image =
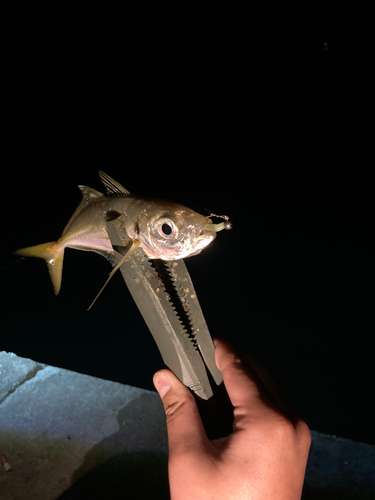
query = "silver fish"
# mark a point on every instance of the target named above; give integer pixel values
(163, 229)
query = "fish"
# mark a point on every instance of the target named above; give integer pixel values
(163, 229)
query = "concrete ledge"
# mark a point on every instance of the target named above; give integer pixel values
(68, 436)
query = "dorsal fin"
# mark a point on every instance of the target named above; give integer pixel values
(88, 193)
(111, 185)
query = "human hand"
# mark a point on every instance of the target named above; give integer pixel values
(263, 459)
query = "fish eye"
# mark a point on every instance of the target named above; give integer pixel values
(167, 228)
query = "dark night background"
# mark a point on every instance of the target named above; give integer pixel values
(264, 113)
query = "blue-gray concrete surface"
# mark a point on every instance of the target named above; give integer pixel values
(68, 436)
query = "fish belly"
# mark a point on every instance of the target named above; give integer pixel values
(88, 232)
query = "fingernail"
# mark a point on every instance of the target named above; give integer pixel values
(214, 341)
(162, 386)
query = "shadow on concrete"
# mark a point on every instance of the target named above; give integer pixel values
(131, 463)
(135, 475)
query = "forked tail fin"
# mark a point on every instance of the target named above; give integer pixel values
(53, 255)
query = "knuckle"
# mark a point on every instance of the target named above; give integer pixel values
(305, 435)
(279, 429)
(173, 409)
(297, 434)
(285, 429)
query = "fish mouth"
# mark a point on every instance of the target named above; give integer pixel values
(205, 237)
(208, 234)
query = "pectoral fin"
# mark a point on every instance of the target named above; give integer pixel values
(129, 250)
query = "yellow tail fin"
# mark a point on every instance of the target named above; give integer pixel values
(53, 255)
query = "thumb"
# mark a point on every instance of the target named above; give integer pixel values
(184, 424)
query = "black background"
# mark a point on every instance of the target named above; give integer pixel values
(264, 114)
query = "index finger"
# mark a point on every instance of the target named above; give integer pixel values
(244, 387)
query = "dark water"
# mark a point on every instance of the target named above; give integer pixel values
(262, 114)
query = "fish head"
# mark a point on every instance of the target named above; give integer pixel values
(169, 231)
